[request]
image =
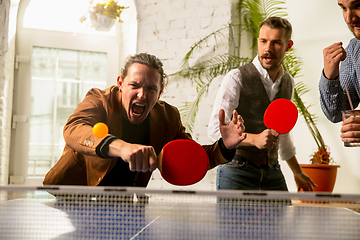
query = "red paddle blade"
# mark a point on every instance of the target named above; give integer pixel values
(281, 115)
(184, 162)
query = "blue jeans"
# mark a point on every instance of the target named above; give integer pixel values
(242, 175)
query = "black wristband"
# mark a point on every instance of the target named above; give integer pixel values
(228, 154)
(103, 148)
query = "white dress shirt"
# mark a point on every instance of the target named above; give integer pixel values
(228, 97)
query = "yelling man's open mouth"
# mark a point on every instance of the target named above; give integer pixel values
(138, 109)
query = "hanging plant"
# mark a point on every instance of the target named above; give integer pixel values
(103, 15)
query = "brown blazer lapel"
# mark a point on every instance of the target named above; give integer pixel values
(156, 130)
(115, 116)
(115, 120)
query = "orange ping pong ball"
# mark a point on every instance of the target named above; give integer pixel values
(100, 130)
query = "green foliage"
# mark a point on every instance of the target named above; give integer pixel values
(190, 109)
(111, 9)
(292, 63)
(213, 37)
(255, 11)
(211, 68)
(252, 13)
(310, 119)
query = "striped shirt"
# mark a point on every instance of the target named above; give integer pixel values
(333, 98)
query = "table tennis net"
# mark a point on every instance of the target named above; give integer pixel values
(66, 212)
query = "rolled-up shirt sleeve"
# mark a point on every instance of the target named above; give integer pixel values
(286, 146)
(227, 98)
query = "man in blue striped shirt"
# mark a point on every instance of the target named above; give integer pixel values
(336, 76)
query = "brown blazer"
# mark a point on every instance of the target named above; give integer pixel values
(79, 163)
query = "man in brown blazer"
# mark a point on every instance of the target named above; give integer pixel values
(139, 126)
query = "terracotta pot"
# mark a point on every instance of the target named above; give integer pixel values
(323, 175)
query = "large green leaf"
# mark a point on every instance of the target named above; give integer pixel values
(216, 66)
(251, 14)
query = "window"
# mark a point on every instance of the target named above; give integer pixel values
(60, 15)
(59, 81)
(58, 61)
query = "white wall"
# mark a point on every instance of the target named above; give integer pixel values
(316, 24)
(8, 14)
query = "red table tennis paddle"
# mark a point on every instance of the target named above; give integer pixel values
(183, 162)
(281, 115)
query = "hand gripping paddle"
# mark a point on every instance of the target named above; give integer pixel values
(281, 115)
(183, 162)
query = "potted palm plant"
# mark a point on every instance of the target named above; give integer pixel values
(321, 168)
(250, 14)
(103, 15)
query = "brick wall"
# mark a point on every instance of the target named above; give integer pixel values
(8, 13)
(168, 29)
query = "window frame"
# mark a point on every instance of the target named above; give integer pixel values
(26, 39)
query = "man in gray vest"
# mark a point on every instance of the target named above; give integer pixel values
(249, 89)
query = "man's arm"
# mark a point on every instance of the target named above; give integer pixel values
(329, 85)
(266, 139)
(78, 130)
(302, 180)
(333, 55)
(330, 98)
(140, 157)
(143, 158)
(227, 98)
(335, 77)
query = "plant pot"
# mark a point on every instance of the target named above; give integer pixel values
(102, 22)
(323, 175)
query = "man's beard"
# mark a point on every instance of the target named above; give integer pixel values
(269, 67)
(356, 35)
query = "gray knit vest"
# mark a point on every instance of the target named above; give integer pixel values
(252, 105)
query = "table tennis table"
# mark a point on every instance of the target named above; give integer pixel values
(136, 213)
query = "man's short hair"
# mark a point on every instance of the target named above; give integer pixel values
(278, 22)
(148, 60)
